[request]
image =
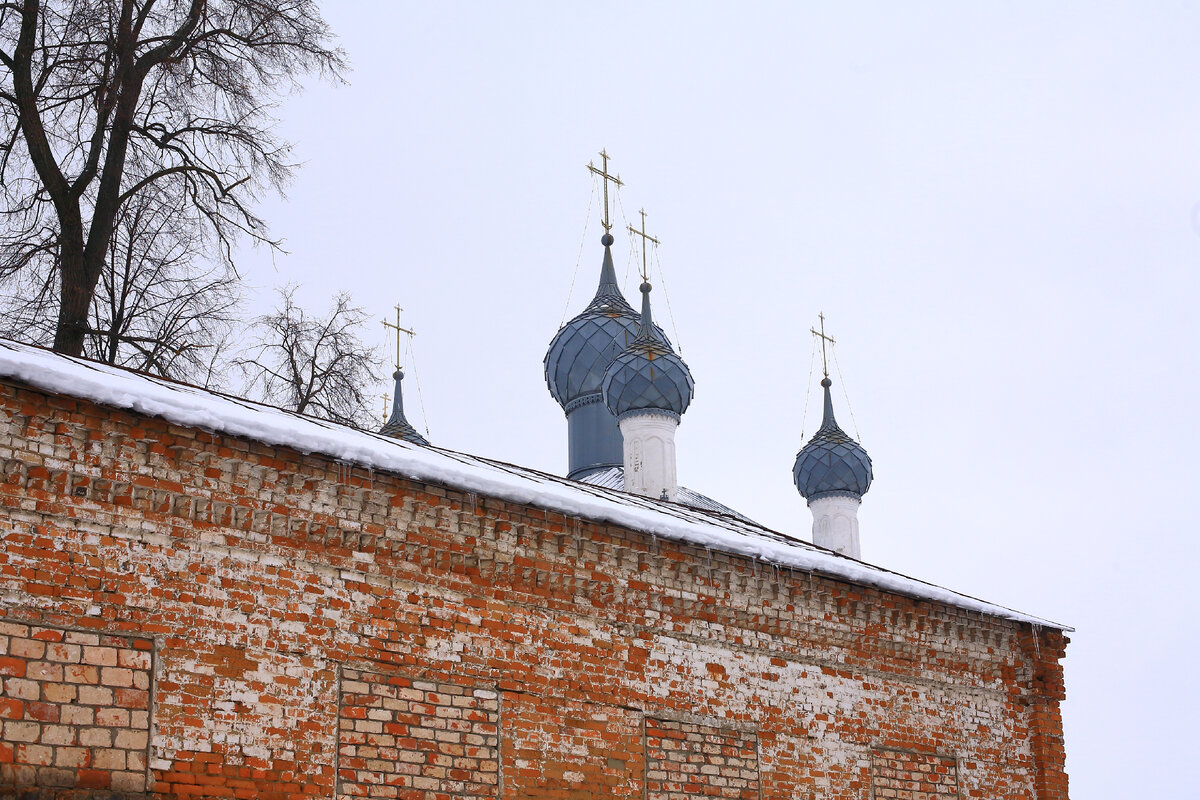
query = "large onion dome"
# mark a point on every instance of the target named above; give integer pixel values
(397, 426)
(647, 375)
(832, 463)
(584, 347)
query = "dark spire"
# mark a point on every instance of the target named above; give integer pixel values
(827, 420)
(397, 426)
(609, 298)
(646, 331)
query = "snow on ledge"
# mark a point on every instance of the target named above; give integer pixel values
(190, 406)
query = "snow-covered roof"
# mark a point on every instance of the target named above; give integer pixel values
(614, 478)
(191, 406)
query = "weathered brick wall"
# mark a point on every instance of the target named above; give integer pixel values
(397, 737)
(685, 761)
(74, 708)
(905, 775)
(569, 748)
(267, 579)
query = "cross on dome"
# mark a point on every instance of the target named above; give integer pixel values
(606, 177)
(645, 238)
(399, 330)
(824, 339)
(397, 426)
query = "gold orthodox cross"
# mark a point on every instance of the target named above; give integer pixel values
(399, 331)
(821, 335)
(645, 238)
(606, 177)
(387, 406)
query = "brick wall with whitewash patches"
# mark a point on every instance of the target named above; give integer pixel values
(267, 602)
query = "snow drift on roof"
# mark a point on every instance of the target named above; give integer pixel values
(191, 406)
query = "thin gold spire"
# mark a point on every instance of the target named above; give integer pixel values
(645, 238)
(399, 330)
(821, 335)
(606, 177)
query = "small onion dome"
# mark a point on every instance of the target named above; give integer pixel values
(585, 346)
(832, 463)
(647, 375)
(397, 426)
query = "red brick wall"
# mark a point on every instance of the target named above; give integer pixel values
(564, 748)
(685, 761)
(905, 775)
(403, 738)
(262, 575)
(74, 708)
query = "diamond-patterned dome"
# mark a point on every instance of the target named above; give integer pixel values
(584, 347)
(832, 463)
(648, 375)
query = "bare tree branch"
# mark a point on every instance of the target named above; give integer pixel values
(314, 365)
(103, 100)
(156, 307)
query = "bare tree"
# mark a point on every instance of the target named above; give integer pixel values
(155, 307)
(103, 99)
(315, 365)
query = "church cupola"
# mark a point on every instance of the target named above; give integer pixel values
(648, 376)
(647, 388)
(833, 472)
(397, 425)
(581, 351)
(584, 347)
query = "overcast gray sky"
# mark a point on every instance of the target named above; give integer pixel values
(997, 208)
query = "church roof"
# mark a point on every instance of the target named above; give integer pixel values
(584, 347)
(398, 426)
(191, 406)
(647, 375)
(614, 478)
(832, 463)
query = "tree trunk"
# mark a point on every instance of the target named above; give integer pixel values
(75, 293)
(82, 270)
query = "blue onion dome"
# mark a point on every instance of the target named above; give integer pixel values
(585, 346)
(397, 426)
(832, 463)
(647, 375)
